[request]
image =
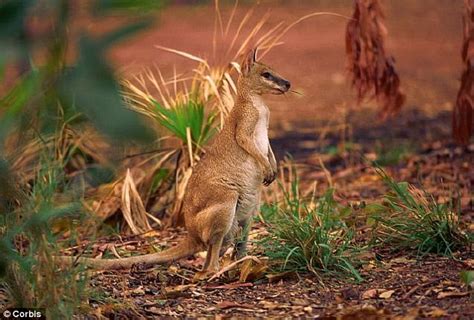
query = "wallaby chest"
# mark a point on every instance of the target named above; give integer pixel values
(261, 129)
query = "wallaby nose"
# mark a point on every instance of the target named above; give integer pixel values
(287, 85)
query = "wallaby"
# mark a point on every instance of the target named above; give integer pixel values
(223, 192)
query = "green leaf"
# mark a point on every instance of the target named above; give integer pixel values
(12, 15)
(103, 6)
(91, 86)
(124, 32)
(16, 99)
(7, 188)
(18, 96)
(467, 277)
(158, 179)
(189, 115)
(47, 213)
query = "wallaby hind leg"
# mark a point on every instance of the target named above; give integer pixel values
(218, 219)
(211, 265)
(213, 253)
(241, 245)
(249, 206)
(229, 238)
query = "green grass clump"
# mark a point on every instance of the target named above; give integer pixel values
(409, 218)
(308, 234)
(390, 155)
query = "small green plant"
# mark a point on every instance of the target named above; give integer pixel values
(467, 277)
(310, 234)
(388, 155)
(187, 121)
(339, 150)
(409, 218)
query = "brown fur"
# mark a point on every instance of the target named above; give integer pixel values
(223, 193)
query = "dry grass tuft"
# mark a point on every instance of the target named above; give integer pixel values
(133, 209)
(373, 72)
(462, 112)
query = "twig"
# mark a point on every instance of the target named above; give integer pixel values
(415, 288)
(296, 92)
(232, 265)
(326, 172)
(114, 251)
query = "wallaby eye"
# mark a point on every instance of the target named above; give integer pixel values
(266, 75)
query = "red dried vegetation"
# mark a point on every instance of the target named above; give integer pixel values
(462, 112)
(373, 72)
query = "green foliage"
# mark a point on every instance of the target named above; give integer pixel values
(91, 87)
(392, 154)
(12, 18)
(12, 104)
(335, 150)
(129, 5)
(411, 219)
(158, 179)
(42, 102)
(28, 245)
(310, 234)
(467, 277)
(187, 115)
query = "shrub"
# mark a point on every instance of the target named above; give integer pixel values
(310, 234)
(410, 218)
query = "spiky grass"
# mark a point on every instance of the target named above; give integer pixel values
(188, 122)
(28, 245)
(410, 218)
(309, 234)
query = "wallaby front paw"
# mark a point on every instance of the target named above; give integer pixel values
(269, 177)
(275, 172)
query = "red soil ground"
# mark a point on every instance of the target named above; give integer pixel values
(424, 37)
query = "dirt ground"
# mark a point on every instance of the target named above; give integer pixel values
(396, 285)
(425, 38)
(412, 290)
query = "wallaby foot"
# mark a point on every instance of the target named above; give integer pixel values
(241, 245)
(202, 275)
(211, 265)
(250, 204)
(240, 250)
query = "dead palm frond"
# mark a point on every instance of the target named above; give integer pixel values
(372, 70)
(133, 209)
(462, 112)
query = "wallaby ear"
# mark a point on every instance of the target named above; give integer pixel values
(254, 54)
(248, 61)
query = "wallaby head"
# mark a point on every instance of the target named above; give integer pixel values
(259, 78)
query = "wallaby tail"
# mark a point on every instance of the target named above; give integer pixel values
(181, 250)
